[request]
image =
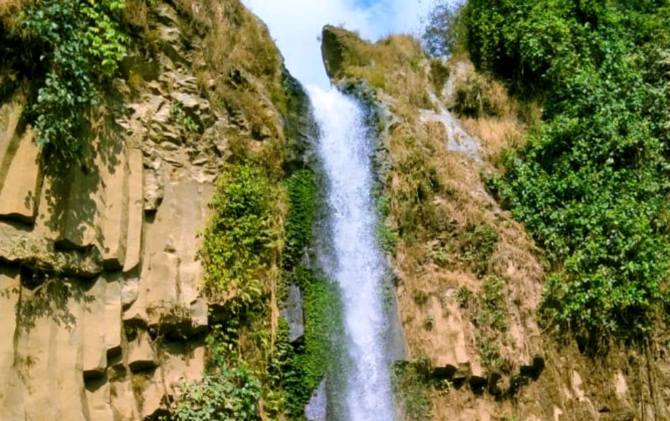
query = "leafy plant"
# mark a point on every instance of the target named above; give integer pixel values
(445, 29)
(302, 205)
(322, 309)
(489, 353)
(592, 183)
(184, 121)
(239, 240)
(82, 43)
(477, 245)
(387, 237)
(492, 311)
(464, 297)
(228, 394)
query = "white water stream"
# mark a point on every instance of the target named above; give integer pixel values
(355, 262)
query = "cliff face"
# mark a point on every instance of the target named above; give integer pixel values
(100, 287)
(469, 278)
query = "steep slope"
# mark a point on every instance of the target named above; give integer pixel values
(469, 279)
(104, 314)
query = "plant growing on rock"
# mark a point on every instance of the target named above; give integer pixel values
(302, 205)
(81, 44)
(227, 394)
(239, 242)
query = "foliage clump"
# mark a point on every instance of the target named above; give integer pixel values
(312, 357)
(80, 44)
(238, 242)
(229, 390)
(301, 188)
(591, 184)
(229, 394)
(444, 34)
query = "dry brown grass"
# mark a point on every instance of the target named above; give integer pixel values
(489, 113)
(497, 134)
(9, 9)
(240, 70)
(395, 65)
(452, 232)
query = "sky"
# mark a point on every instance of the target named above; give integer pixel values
(296, 25)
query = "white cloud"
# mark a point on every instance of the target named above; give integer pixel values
(296, 25)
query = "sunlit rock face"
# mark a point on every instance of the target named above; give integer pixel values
(112, 337)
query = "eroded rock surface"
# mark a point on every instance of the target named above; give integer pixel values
(116, 332)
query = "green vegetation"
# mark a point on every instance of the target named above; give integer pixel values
(240, 253)
(224, 395)
(489, 353)
(488, 312)
(477, 244)
(184, 122)
(387, 236)
(445, 30)
(322, 307)
(237, 246)
(464, 297)
(311, 360)
(492, 311)
(80, 43)
(411, 389)
(302, 204)
(591, 184)
(241, 248)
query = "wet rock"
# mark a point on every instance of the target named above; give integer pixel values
(293, 313)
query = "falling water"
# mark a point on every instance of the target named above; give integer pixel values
(355, 262)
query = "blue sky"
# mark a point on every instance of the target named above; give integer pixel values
(296, 25)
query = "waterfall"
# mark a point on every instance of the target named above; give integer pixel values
(354, 260)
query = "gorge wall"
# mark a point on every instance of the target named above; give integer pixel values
(469, 279)
(100, 285)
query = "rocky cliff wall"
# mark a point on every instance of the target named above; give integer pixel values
(468, 278)
(102, 314)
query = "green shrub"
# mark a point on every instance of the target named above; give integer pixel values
(464, 297)
(183, 121)
(302, 205)
(238, 242)
(286, 375)
(227, 394)
(489, 352)
(592, 183)
(81, 43)
(445, 29)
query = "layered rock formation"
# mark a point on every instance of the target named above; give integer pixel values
(100, 299)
